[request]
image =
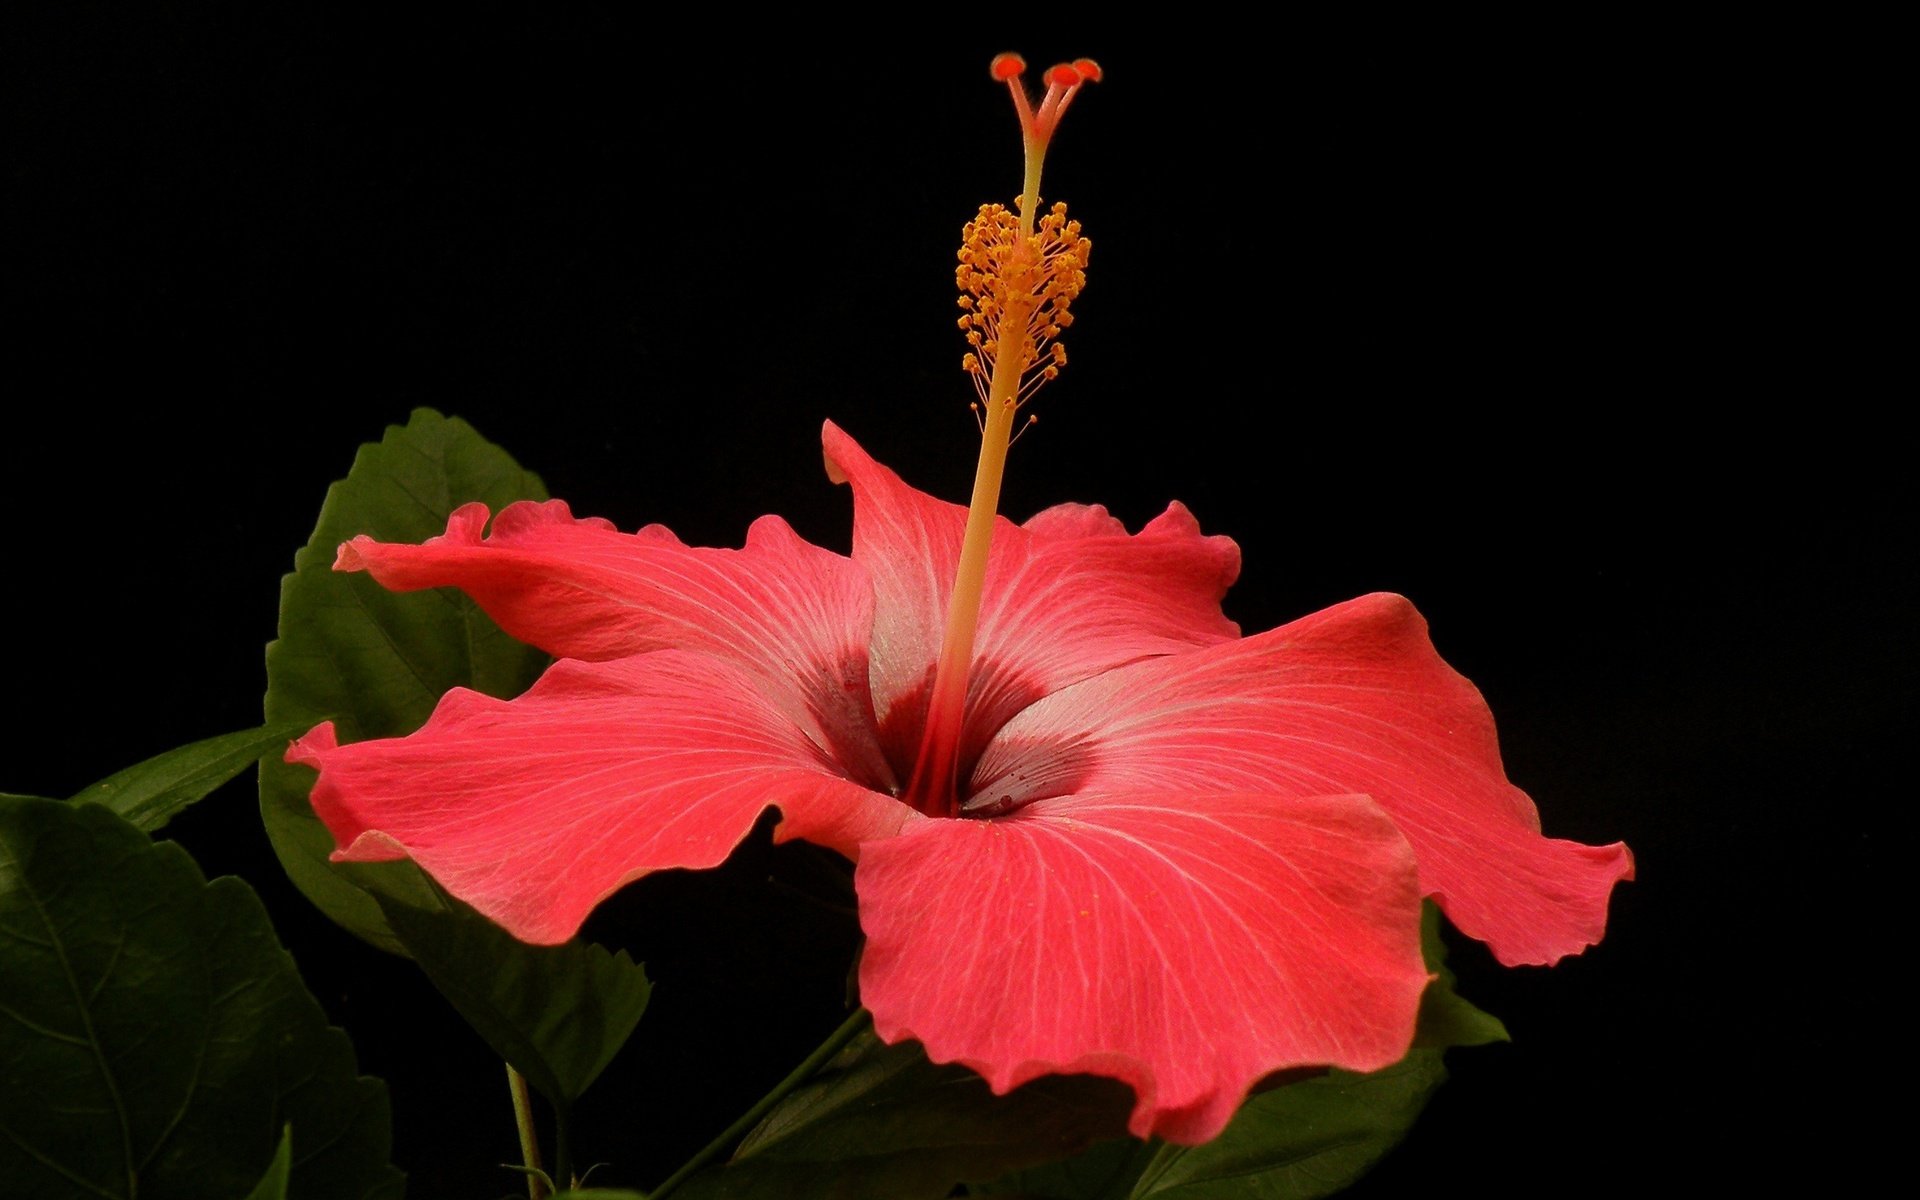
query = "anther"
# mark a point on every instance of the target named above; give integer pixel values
(1016, 287)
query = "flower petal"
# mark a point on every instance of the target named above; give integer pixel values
(1187, 946)
(536, 809)
(1353, 698)
(795, 614)
(1068, 595)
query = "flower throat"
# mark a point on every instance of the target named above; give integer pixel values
(1019, 272)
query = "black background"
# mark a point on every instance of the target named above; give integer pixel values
(1562, 333)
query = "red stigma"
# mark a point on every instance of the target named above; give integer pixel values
(1062, 80)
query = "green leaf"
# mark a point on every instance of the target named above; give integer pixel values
(157, 1039)
(1446, 1017)
(1106, 1171)
(19, 796)
(882, 1123)
(273, 1185)
(558, 1014)
(599, 1194)
(373, 661)
(1305, 1139)
(150, 793)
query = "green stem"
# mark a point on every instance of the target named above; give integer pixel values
(836, 1041)
(529, 1141)
(1153, 1157)
(563, 1148)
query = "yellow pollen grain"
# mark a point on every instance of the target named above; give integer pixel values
(1015, 293)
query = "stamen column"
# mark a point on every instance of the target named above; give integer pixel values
(1024, 289)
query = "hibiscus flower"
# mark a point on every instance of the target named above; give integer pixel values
(1096, 829)
(1182, 858)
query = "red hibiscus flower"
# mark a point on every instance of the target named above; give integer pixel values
(1096, 830)
(1181, 858)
